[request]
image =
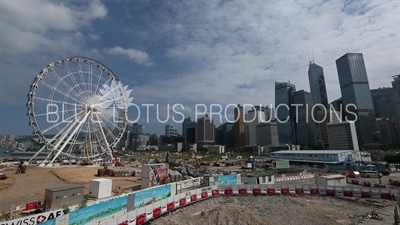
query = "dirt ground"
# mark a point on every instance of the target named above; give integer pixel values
(269, 210)
(24, 188)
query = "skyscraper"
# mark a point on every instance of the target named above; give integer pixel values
(306, 127)
(354, 87)
(253, 117)
(205, 131)
(240, 126)
(284, 112)
(316, 79)
(185, 126)
(383, 101)
(225, 135)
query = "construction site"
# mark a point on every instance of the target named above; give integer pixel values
(23, 191)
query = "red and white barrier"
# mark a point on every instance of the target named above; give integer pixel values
(358, 182)
(144, 214)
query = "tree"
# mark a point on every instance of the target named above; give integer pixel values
(392, 158)
(66, 209)
(84, 202)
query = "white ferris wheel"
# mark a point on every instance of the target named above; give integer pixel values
(78, 108)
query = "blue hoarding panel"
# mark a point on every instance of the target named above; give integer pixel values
(230, 179)
(98, 211)
(149, 196)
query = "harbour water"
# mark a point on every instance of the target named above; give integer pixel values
(4, 154)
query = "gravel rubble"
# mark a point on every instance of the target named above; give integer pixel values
(269, 210)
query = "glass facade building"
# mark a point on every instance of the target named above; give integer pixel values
(283, 110)
(225, 135)
(306, 127)
(354, 87)
(317, 84)
(381, 99)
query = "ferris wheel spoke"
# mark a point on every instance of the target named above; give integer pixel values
(62, 113)
(105, 138)
(109, 132)
(108, 121)
(91, 78)
(60, 92)
(61, 122)
(109, 79)
(71, 75)
(97, 89)
(62, 80)
(83, 79)
(54, 101)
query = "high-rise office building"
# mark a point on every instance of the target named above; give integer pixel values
(342, 136)
(284, 112)
(316, 79)
(240, 126)
(319, 94)
(225, 135)
(191, 133)
(355, 90)
(253, 117)
(185, 124)
(386, 131)
(205, 131)
(135, 130)
(306, 127)
(383, 101)
(267, 134)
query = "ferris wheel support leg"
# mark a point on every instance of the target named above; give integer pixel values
(60, 140)
(105, 140)
(62, 132)
(80, 123)
(36, 154)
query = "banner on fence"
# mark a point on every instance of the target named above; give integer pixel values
(152, 195)
(230, 179)
(97, 212)
(46, 218)
(188, 183)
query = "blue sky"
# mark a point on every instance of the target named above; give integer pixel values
(193, 52)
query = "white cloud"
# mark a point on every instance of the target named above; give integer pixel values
(43, 25)
(237, 50)
(35, 33)
(94, 37)
(206, 51)
(133, 54)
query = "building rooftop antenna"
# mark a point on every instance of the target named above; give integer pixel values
(312, 55)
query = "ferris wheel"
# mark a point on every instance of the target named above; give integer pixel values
(78, 109)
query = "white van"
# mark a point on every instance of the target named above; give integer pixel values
(370, 174)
